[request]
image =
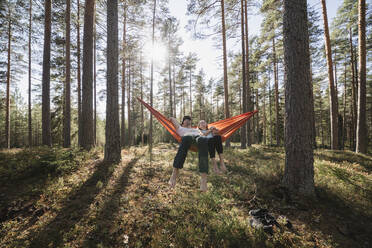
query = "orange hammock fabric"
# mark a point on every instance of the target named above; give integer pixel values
(226, 127)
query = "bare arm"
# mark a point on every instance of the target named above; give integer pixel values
(176, 124)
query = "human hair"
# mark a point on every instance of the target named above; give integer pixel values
(186, 117)
(206, 126)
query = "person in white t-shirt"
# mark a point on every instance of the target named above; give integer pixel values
(190, 136)
(214, 144)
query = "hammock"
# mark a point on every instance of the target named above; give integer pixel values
(226, 127)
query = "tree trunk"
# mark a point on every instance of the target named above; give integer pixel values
(248, 94)
(299, 170)
(276, 96)
(361, 132)
(225, 80)
(332, 91)
(243, 133)
(270, 116)
(264, 115)
(354, 81)
(190, 96)
(344, 116)
(152, 78)
(312, 106)
(142, 114)
(87, 100)
(67, 113)
(95, 78)
(47, 137)
(79, 74)
(128, 102)
(29, 78)
(123, 77)
(7, 118)
(112, 147)
(170, 79)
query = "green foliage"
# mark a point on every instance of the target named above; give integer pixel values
(28, 163)
(130, 204)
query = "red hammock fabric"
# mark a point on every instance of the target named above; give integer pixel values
(226, 127)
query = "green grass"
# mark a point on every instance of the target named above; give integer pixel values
(69, 198)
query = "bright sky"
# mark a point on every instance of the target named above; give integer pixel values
(208, 55)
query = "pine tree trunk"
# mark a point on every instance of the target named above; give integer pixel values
(29, 78)
(270, 116)
(264, 115)
(299, 170)
(354, 81)
(128, 104)
(152, 78)
(79, 74)
(361, 132)
(112, 147)
(276, 96)
(243, 132)
(7, 118)
(312, 106)
(142, 114)
(123, 78)
(190, 96)
(46, 127)
(257, 117)
(344, 114)
(170, 80)
(67, 113)
(332, 91)
(95, 78)
(87, 99)
(248, 94)
(225, 80)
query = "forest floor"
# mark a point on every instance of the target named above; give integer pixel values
(54, 197)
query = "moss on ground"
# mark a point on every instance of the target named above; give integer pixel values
(54, 197)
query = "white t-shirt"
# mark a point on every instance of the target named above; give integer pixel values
(183, 131)
(210, 135)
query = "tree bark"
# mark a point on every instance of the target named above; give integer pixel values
(87, 99)
(248, 94)
(47, 137)
(128, 102)
(7, 118)
(243, 133)
(29, 77)
(79, 74)
(190, 95)
(123, 78)
(354, 82)
(142, 114)
(299, 170)
(95, 77)
(225, 79)
(332, 91)
(67, 113)
(112, 147)
(152, 78)
(276, 95)
(361, 132)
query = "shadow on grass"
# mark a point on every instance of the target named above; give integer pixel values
(25, 174)
(75, 207)
(340, 156)
(106, 217)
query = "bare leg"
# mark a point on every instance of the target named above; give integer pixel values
(222, 163)
(173, 179)
(203, 182)
(215, 167)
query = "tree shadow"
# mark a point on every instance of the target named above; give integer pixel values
(351, 158)
(106, 217)
(75, 206)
